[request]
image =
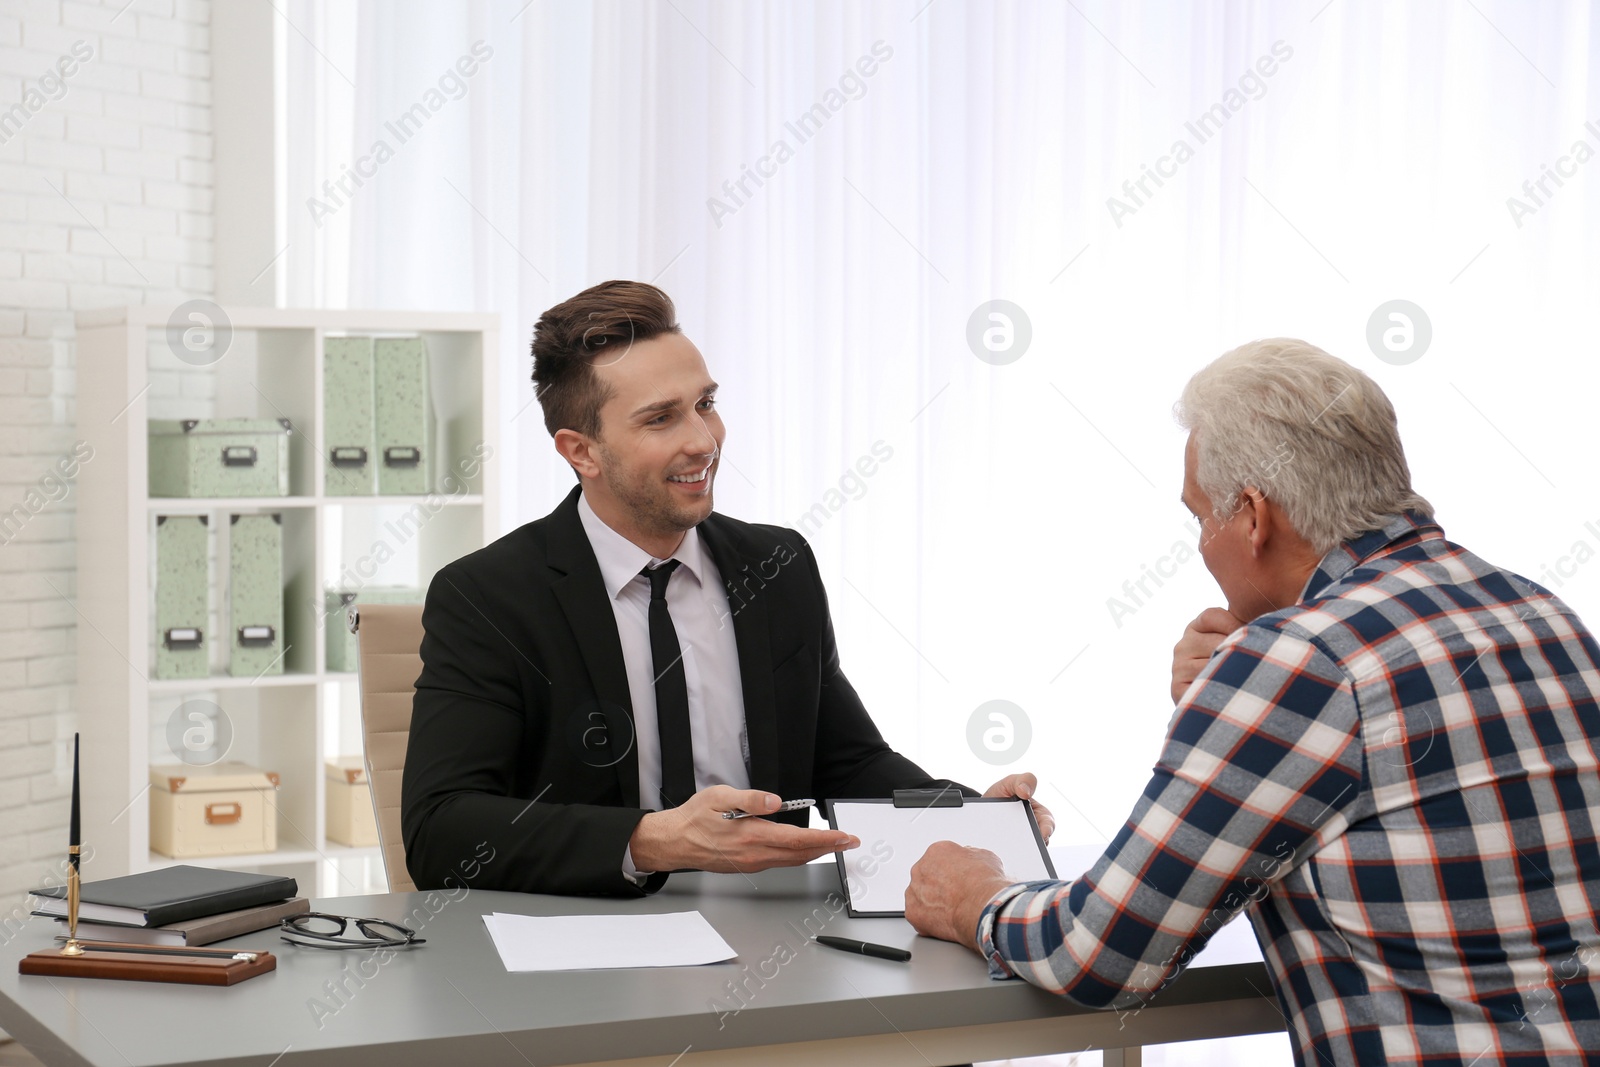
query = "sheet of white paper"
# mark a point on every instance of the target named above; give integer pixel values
(893, 839)
(593, 942)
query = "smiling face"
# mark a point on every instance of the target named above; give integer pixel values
(649, 474)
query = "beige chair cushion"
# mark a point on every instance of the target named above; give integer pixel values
(390, 640)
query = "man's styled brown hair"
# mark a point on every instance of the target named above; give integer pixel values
(598, 323)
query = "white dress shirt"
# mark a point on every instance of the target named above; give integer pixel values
(700, 615)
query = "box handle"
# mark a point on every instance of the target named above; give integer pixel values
(256, 636)
(402, 456)
(217, 815)
(184, 638)
(239, 455)
(348, 456)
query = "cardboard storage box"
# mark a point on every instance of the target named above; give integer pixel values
(349, 457)
(403, 410)
(341, 643)
(226, 809)
(255, 595)
(219, 457)
(182, 584)
(351, 818)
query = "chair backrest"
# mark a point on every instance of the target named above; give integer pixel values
(390, 640)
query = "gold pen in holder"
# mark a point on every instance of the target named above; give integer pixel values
(73, 947)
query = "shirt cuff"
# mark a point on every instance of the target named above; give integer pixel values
(986, 922)
(631, 872)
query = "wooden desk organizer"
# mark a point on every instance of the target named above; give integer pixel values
(146, 963)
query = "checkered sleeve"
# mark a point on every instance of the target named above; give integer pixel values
(1262, 764)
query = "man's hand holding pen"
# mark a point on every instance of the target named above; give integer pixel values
(696, 835)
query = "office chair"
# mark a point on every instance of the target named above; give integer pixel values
(389, 637)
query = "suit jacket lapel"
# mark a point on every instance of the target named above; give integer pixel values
(747, 608)
(581, 592)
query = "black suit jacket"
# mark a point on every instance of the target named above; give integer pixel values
(522, 728)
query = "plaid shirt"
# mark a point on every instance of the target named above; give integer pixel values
(1397, 779)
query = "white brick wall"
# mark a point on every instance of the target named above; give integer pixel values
(105, 199)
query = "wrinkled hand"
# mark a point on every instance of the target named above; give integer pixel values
(1025, 786)
(950, 885)
(1200, 638)
(694, 835)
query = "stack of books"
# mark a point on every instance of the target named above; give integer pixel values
(176, 906)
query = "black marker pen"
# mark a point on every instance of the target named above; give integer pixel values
(882, 952)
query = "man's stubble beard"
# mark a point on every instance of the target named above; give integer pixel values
(652, 507)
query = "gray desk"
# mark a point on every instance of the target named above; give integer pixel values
(451, 1001)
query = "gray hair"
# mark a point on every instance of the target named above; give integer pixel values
(1307, 430)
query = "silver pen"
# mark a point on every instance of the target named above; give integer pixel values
(787, 805)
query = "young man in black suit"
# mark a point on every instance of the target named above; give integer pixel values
(602, 685)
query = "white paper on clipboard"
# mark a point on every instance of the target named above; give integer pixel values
(893, 839)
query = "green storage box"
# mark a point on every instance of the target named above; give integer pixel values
(219, 457)
(182, 584)
(350, 446)
(255, 595)
(404, 412)
(341, 643)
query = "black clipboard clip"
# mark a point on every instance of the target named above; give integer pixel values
(948, 797)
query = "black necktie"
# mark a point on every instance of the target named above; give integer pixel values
(672, 693)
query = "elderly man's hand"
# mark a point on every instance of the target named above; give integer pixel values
(1026, 786)
(950, 885)
(1201, 638)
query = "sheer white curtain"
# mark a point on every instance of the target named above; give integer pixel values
(830, 191)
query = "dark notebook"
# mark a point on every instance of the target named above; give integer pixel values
(170, 895)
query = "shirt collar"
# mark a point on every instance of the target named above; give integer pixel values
(1344, 558)
(621, 560)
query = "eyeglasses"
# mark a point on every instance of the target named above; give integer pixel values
(315, 929)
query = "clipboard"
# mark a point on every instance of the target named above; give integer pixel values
(895, 833)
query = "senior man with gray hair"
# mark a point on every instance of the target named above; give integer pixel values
(1384, 750)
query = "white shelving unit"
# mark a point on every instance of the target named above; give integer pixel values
(286, 723)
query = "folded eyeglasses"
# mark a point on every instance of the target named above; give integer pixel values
(315, 929)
